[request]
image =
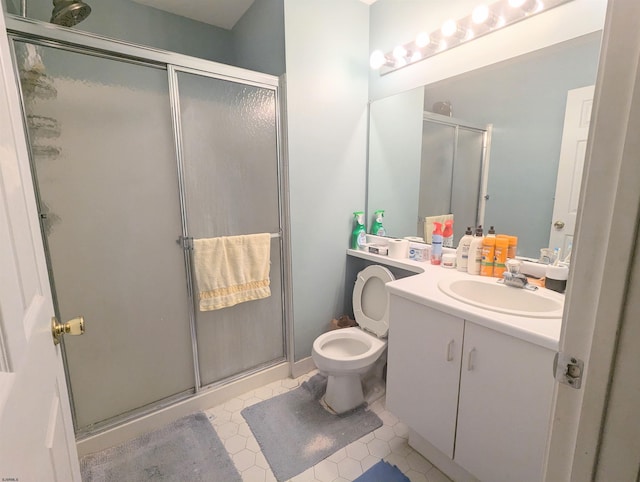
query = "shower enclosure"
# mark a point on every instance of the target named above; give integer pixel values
(454, 164)
(135, 152)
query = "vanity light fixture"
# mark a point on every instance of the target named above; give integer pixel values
(484, 19)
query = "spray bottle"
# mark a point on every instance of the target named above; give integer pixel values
(359, 235)
(447, 234)
(378, 228)
(436, 244)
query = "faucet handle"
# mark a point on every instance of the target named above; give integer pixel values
(513, 265)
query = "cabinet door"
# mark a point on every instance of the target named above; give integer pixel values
(506, 389)
(423, 371)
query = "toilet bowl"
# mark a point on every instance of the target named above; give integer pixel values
(347, 354)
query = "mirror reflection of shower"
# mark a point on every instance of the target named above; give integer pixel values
(69, 12)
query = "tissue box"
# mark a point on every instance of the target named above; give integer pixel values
(418, 253)
(379, 249)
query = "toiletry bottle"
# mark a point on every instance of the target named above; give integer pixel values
(447, 234)
(462, 252)
(378, 228)
(359, 235)
(513, 247)
(475, 252)
(436, 244)
(501, 255)
(488, 253)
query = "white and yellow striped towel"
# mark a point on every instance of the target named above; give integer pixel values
(232, 269)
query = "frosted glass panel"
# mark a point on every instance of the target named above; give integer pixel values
(102, 145)
(231, 170)
(230, 154)
(467, 170)
(438, 149)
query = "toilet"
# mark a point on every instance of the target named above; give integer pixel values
(348, 354)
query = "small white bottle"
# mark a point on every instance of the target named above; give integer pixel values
(462, 251)
(475, 252)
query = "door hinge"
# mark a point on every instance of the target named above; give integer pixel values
(568, 369)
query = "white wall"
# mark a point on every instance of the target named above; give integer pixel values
(327, 91)
(394, 22)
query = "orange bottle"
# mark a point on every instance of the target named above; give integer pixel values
(488, 252)
(501, 253)
(513, 246)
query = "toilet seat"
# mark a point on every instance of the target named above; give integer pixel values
(371, 299)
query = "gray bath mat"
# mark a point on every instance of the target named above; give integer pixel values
(186, 450)
(295, 432)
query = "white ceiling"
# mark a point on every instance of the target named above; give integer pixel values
(220, 13)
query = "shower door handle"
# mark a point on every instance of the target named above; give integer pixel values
(71, 327)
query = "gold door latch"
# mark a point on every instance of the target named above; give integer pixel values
(71, 327)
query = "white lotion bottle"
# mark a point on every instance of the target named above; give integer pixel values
(475, 252)
(462, 251)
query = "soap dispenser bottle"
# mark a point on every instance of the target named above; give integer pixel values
(359, 235)
(475, 252)
(378, 228)
(436, 244)
(462, 251)
(447, 234)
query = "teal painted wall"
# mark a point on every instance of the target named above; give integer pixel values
(327, 92)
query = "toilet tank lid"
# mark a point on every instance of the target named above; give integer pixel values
(371, 299)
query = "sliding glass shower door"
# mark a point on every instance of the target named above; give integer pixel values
(230, 156)
(130, 159)
(451, 170)
(102, 153)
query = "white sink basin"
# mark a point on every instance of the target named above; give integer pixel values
(494, 296)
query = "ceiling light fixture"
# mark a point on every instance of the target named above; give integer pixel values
(483, 20)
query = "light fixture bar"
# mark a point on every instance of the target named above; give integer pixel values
(484, 19)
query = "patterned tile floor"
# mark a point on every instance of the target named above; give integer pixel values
(388, 442)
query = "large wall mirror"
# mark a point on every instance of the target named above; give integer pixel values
(521, 102)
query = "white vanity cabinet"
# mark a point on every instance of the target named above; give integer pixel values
(481, 397)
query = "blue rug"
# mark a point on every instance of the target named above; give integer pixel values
(295, 432)
(187, 450)
(383, 472)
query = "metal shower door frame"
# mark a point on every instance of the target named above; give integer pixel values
(46, 34)
(186, 240)
(486, 131)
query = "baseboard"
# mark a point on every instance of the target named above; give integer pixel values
(203, 400)
(301, 367)
(438, 459)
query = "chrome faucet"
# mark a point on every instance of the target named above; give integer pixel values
(513, 277)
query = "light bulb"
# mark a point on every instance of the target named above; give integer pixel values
(422, 40)
(415, 56)
(377, 59)
(526, 5)
(449, 28)
(400, 52)
(480, 14)
(443, 44)
(400, 62)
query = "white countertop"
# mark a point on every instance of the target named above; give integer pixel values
(423, 289)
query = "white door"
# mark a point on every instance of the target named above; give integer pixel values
(37, 442)
(572, 151)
